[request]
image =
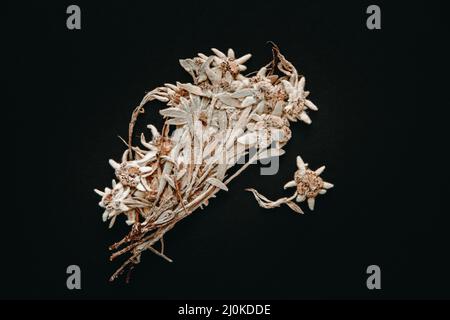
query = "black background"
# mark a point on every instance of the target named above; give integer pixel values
(377, 129)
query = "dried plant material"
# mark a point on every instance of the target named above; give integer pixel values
(222, 119)
(308, 185)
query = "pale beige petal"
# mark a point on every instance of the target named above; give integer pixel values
(328, 185)
(300, 164)
(105, 215)
(305, 118)
(320, 170)
(111, 223)
(114, 164)
(219, 53)
(154, 131)
(301, 85)
(262, 72)
(288, 87)
(311, 105)
(278, 110)
(231, 54)
(311, 202)
(125, 155)
(243, 59)
(290, 184)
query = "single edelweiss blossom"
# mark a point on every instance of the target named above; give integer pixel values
(266, 94)
(308, 183)
(261, 77)
(228, 62)
(297, 102)
(132, 173)
(163, 145)
(174, 93)
(153, 144)
(220, 69)
(113, 200)
(195, 67)
(159, 145)
(265, 129)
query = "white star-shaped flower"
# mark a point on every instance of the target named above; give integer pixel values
(308, 183)
(297, 102)
(113, 200)
(132, 173)
(264, 130)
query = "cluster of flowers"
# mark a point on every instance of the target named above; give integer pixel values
(209, 125)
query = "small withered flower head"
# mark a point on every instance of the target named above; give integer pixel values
(229, 63)
(297, 102)
(308, 183)
(113, 201)
(265, 129)
(131, 173)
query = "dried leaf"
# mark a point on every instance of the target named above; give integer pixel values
(217, 183)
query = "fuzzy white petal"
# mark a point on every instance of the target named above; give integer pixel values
(248, 101)
(111, 223)
(262, 72)
(105, 215)
(328, 185)
(219, 53)
(320, 170)
(248, 138)
(278, 110)
(145, 169)
(300, 164)
(100, 193)
(311, 202)
(231, 54)
(290, 184)
(114, 164)
(301, 84)
(311, 105)
(243, 59)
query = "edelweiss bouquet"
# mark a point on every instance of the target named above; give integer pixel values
(222, 119)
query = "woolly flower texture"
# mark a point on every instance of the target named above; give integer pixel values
(308, 183)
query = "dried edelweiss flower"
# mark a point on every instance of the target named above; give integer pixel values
(265, 128)
(209, 125)
(308, 185)
(133, 173)
(113, 200)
